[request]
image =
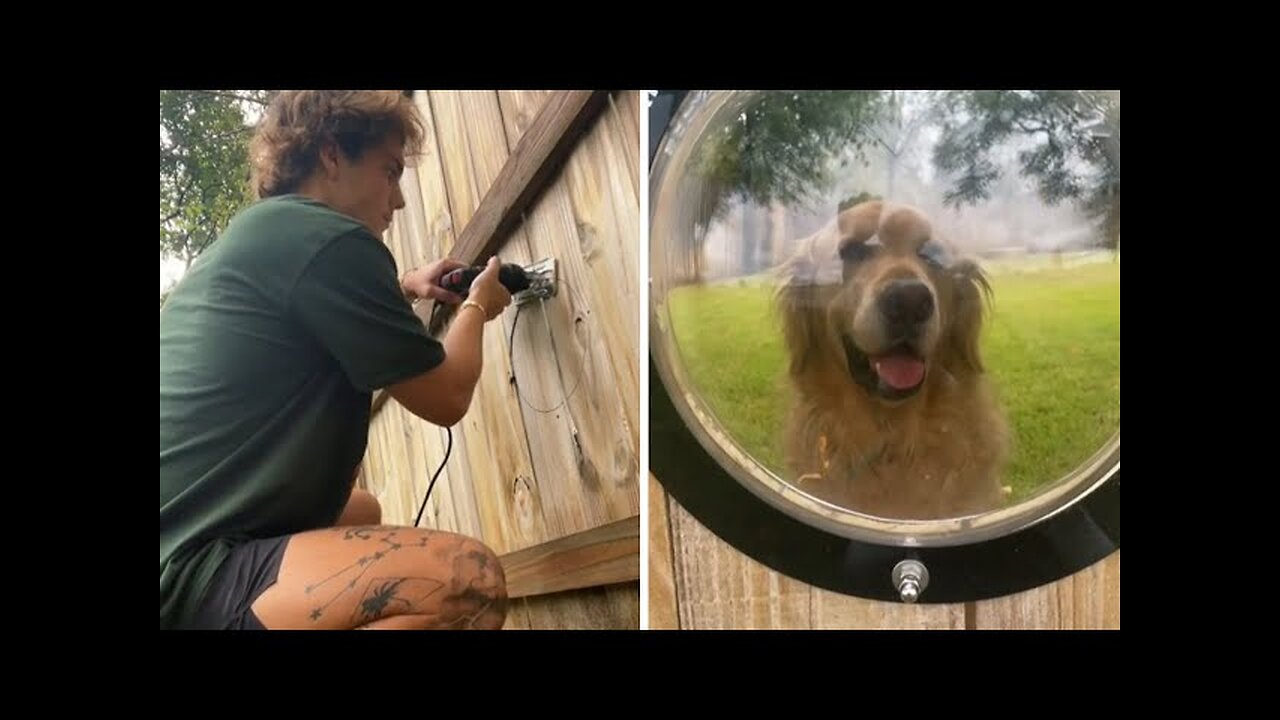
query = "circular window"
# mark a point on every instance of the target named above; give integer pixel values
(885, 332)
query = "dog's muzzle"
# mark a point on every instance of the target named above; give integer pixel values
(897, 372)
(904, 305)
(894, 375)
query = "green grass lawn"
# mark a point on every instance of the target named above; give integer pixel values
(1052, 346)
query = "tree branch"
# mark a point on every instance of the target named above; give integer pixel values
(234, 96)
(885, 144)
(230, 133)
(1033, 129)
(182, 196)
(180, 245)
(913, 127)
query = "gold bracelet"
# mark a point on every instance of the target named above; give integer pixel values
(472, 303)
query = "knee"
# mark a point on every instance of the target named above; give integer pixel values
(362, 509)
(479, 599)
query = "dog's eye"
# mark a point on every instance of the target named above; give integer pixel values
(857, 252)
(935, 255)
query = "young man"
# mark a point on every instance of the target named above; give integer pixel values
(270, 349)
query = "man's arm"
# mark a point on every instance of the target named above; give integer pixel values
(443, 394)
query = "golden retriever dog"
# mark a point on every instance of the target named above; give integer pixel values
(892, 413)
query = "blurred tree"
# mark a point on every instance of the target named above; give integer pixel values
(782, 144)
(781, 151)
(1074, 153)
(204, 166)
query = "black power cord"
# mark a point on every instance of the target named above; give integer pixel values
(448, 448)
(511, 363)
(449, 431)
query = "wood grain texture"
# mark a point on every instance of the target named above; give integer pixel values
(720, 588)
(491, 439)
(536, 157)
(1087, 600)
(664, 614)
(604, 555)
(585, 449)
(523, 476)
(715, 586)
(610, 607)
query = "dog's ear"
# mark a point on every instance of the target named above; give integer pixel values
(798, 304)
(972, 293)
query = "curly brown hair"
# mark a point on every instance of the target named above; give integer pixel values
(285, 149)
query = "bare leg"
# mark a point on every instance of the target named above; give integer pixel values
(385, 577)
(362, 509)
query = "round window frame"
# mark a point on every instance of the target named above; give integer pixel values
(1013, 556)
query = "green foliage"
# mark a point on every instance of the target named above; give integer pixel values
(204, 167)
(781, 146)
(1074, 153)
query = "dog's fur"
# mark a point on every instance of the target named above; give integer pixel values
(940, 451)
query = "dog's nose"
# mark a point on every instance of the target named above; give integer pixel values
(906, 302)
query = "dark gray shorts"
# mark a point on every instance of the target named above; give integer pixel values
(247, 572)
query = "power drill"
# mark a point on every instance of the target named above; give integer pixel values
(513, 278)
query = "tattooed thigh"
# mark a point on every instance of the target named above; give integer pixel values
(349, 577)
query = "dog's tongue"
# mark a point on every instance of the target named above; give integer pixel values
(900, 372)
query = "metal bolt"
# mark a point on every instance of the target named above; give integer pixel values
(910, 590)
(911, 578)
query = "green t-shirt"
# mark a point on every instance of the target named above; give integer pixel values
(270, 349)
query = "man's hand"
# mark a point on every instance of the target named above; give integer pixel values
(424, 282)
(487, 291)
